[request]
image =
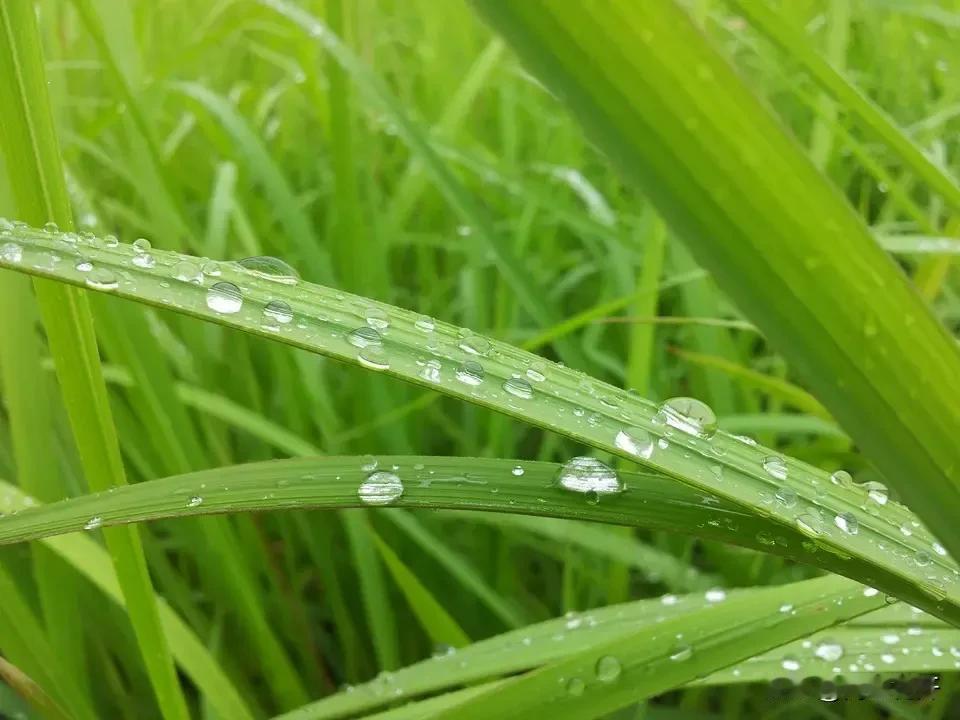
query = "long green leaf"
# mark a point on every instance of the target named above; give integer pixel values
(33, 164)
(671, 113)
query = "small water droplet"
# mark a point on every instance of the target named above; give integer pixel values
(475, 345)
(110, 241)
(93, 523)
(681, 652)
(922, 558)
(715, 595)
(517, 471)
(847, 522)
(270, 268)
(535, 373)
(102, 279)
(939, 549)
(374, 357)
(11, 252)
(828, 650)
(277, 311)
(377, 317)
(424, 324)
(786, 497)
(876, 492)
(211, 268)
(790, 663)
(518, 387)
(870, 592)
(470, 372)
(608, 669)
(187, 271)
(636, 441)
(841, 478)
(142, 245)
(51, 227)
(380, 488)
(589, 475)
(143, 260)
(365, 336)
(194, 501)
(83, 265)
(689, 415)
(431, 371)
(224, 298)
(575, 687)
(775, 466)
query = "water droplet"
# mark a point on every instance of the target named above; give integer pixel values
(211, 268)
(939, 549)
(715, 595)
(11, 252)
(424, 324)
(142, 245)
(841, 478)
(608, 669)
(470, 372)
(535, 373)
(431, 371)
(689, 415)
(93, 523)
(277, 311)
(194, 501)
(224, 298)
(270, 268)
(380, 488)
(745, 439)
(377, 318)
(374, 357)
(786, 497)
(517, 471)
(187, 271)
(589, 475)
(51, 227)
(828, 650)
(83, 265)
(809, 523)
(518, 387)
(775, 467)
(790, 663)
(786, 608)
(847, 522)
(575, 687)
(365, 336)
(143, 260)
(110, 241)
(475, 345)
(681, 652)
(636, 441)
(669, 599)
(102, 279)
(870, 592)
(876, 492)
(922, 558)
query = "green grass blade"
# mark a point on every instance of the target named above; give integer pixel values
(435, 620)
(30, 691)
(33, 163)
(673, 115)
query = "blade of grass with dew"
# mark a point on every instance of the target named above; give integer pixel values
(441, 628)
(651, 501)
(33, 164)
(651, 660)
(93, 562)
(532, 389)
(793, 254)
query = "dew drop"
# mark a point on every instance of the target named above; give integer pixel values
(575, 687)
(841, 478)
(828, 650)
(518, 387)
(224, 298)
(681, 652)
(277, 311)
(11, 252)
(689, 415)
(535, 373)
(636, 441)
(187, 271)
(374, 357)
(102, 279)
(377, 318)
(608, 669)
(922, 558)
(424, 324)
(51, 227)
(847, 522)
(83, 265)
(790, 663)
(142, 245)
(143, 260)
(470, 372)
(876, 492)
(270, 268)
(365, 336)
(93, 523)
(786, 497)
(589, 475)
(211, 268)
(194, 501)
(475, 345)
(517, 471)
(380, 488)
(715, 595)
(431, 371)
(775, 467)
(110, 241)
(939, 549)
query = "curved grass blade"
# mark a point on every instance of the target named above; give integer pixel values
(30, 691)
(33, 164)
(650, 501)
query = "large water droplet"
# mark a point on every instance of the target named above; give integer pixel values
(470, 372)
(689, 415)
(380, 488)
(847, 522)
(608, 669)
(365, 336)
(636, 441)
(589, 475)
(270, 268)
(518, 387)
(828, 650)
(775, 467)
(224, 298)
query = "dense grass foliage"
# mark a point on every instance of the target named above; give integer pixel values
(419, 180)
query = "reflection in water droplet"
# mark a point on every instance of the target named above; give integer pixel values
(470, 372)
(518, 387)
(224, 298)
(786, 497)
(270, 268)
(589, 475)
(689, 415)
(636, 441)
(143, 260)
(142, 245)
(841, 478)
(380, 488)
(876, 492)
